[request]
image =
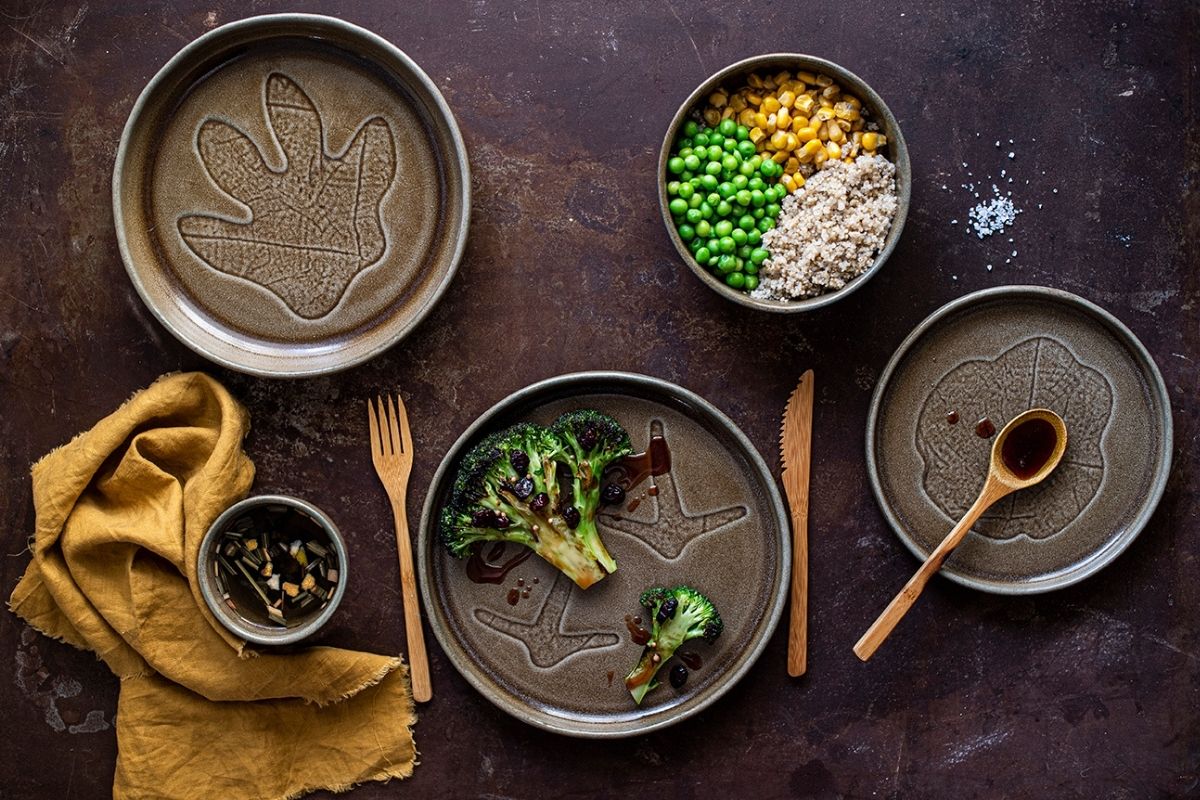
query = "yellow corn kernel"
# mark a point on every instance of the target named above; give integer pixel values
(754, 98)
(787, 98)
(757, 135)
(791, 166)
(746, 117)
(726, 112)
(834, 150)
(806, 134)
(831, 92)
(798, 124)
(780, 157)
(718, 99)
(799, 180)
(843, 110)
(760, 119)
(711, 117)
(738, 103)
(823, 81)
(783, 118)
(856, 137)
(807, 77)
(779, 140)
(770, 105)
(882, 140)
(824, 114)
(821, 157)
(781, 77)
(843, 124)
(854, 147)
(788, 182)
(824, 102)
(754, 80)
(853, 101)
(858, 125)
(792, 142)
(811, 148)
(870, 140)
(836, 134)
(823, 131)
(848, 160)
(768, 82)
(804, 104)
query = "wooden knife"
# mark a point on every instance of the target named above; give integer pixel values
(795, 449)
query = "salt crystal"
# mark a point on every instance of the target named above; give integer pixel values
(1011, 154)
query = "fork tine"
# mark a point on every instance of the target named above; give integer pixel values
(384, 433)
(405, 431)
(374, 426)
(394, 427)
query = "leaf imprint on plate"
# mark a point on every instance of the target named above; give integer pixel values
(673, 527)
(544, 638)
(1038, 372)
(314, 226)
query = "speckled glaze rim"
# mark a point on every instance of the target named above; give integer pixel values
(897, 152)
(1098, 561)
(318, 362)
(240, 626)
(580, 383)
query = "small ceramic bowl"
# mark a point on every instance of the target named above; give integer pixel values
(240, 612)
(895, 151)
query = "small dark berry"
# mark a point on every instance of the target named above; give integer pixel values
(679, 676)
(612, 494)
(484, 518)
(667, 610)
(570, 515)
(539, 502)
(502, 520)
(523, 488)
(588, 438)
(519, 461)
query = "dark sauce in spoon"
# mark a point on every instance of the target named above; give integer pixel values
(632, 470)
(489, 568)
(1028, 447)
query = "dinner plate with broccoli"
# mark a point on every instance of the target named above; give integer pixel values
(577, 542)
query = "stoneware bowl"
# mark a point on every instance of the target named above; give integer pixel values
(291, 195)
(966, 371)
(554, 655)
(245, 622)
(896, 151)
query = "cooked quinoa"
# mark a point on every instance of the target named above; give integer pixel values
(829, 230)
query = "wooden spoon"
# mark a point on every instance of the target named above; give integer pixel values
(1026, 451)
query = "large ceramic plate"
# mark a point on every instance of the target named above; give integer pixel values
(557, 658)
(991, 355)
(291, 195)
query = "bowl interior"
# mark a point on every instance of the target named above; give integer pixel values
(896, 151)
(233, 601)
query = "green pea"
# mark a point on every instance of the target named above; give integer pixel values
(757, 198)
(738, 235)
(703, 254)
(700, 139)
(756, 183)
(675, 165)
(693, 215)
(736, 280)
(678, 206)
(729, 145)
(745, 169)
(684, 152)
(753, 237)
(673, 187)
(740, 181)
(691, 162)
(758, 213)
(709, 182)
(746, 222)
(758, 255)
(726, 263)
(726, 245)
(751, 283)
(772, 209)
(694, 244)
(746, 148)
(687, 232)
(713, 198)
(744, 252)
(711, 244)
(767, 168)
(724, 209)
(726, 190)
(685, 190)
(729, 162)
(706, 210)
(687, 176)
(713, 168)
(704, 228)
(743, 197)
(757, 161)
(727, 127)
(724, 227)
(742, 133)
(765, 224)
(694, 201)
(750, 268)
(690, 128)
(678, 218)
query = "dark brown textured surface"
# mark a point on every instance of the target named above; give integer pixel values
(1091, 692)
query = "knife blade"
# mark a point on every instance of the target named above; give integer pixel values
(795, 450)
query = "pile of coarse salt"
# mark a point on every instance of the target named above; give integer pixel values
(992, 216)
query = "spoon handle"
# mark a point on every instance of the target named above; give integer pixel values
(902, 602)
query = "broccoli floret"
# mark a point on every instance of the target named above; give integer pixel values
(678, 615)
(511, 487)
(592, 441)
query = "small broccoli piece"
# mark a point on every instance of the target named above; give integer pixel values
(592, 441)
(678, 615)
(509, 488)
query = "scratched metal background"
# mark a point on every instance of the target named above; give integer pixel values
(1093, 692)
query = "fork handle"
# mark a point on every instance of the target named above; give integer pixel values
(418, 659)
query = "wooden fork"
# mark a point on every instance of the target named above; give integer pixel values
(392, 454)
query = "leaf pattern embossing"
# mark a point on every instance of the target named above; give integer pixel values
(1038, 372)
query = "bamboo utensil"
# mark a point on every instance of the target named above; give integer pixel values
(392, 455)
(1027, 450)
(795, 448)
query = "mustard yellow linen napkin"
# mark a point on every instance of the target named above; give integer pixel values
(120, 514)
